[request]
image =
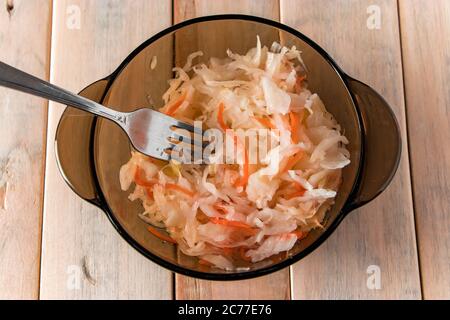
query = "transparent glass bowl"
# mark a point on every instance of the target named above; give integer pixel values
(91, 150)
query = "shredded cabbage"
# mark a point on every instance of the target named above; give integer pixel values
(230, 215)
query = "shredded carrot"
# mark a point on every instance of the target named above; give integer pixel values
(301, 79)
(220, 207)
(139, 179)
(251, 231)
(242, 252)
(245, 174)
(292, 161)
(285, 120)
(227, 251)
(265, 122)
(298, 186)
(244, 179)
(299, 234)
(150, 160)
(295, 124)
(230, 223)
(299, 82)
(222, 123)
(176, 105)
(176, 187)
(149, 192)
(204, 262)
(300, 191)
(161, 236)
(295, 194)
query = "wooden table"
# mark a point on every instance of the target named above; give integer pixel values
(54, 245)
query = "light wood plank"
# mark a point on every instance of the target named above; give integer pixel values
(25, 44)
(425, 29)
(382, 233)
(78, 238)
(188, 9)
(275, 286)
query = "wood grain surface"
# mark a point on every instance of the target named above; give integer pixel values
(403, 234)
(23, 121)
(79, 241)
(380, 234)
(425, 27)
(275, 286)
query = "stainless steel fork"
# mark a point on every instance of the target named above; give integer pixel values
(150, 132)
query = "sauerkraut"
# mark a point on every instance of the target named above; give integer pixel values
(232, 215)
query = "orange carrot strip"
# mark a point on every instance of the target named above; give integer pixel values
(299, 82)
(245, 174)
(203, 262)
(230, 223)
(222, 123)
(242, 182)
(298, 186)
(299, 234)
(139, 179)
(227, 251)
(291, 162)
(242, 252)
(176, 105)
(265, 122)
(220, 207)
(172, 186)
(300, 191)
(251, 231)
(301, 79)
(161, 236)
(295, 124)
(295, 194)
(285, 120)
(244, 179)
(149, 192)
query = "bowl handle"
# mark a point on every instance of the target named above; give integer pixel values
(381, 141)
(72, 145)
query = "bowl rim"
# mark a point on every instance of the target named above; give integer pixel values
(102, 203)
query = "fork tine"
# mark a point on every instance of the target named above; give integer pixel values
(188, 154)
(186, 126)
(156, 134)
(186, 131)
(197, 141)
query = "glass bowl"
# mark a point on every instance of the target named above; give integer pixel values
(91, 150)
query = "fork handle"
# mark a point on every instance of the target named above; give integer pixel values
(16, 79)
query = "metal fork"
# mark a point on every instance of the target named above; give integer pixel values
(150, 132)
